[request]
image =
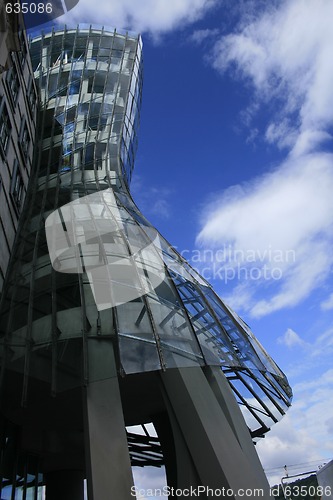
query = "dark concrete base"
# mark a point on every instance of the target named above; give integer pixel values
(204, 438)
(64, 485)
(109, 473)
(212, 445)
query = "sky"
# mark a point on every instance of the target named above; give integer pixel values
(235, 168)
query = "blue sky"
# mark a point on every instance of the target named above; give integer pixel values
(234, 167)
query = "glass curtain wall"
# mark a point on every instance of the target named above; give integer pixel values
(90, 83)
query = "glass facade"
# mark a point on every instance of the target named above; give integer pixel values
(53, 329)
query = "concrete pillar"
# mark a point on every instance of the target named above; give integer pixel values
(109, 474)
(212, 433)
(230, 408)
(179, 467)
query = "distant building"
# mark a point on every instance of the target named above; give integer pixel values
(18, 115)
(103, 324)
(9, 35)
(325, 481)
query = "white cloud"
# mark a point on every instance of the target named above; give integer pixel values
(301, 436)
(199, 36)
(329, 424)
(285, 445)
(327, 304)
(323, 345)
(253, 134)
(316, 353)
(282, 133)
(153, 16)
(308, 388)
(161, 208)
(286, 213)
(259, 213)
(286, 54)
(308, 140)
(290, 339)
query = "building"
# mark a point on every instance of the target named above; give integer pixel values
(103, 324)
(325, 481)
(18, 115)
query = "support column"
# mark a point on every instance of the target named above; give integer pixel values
(109, 474)
(230, 408)
(207, 427)
(179, 467)
(108, 465)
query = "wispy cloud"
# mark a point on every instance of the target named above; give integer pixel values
(152, 16)
(150, 199)
(319, 347)
(327, 304)
(285, 54)
(286, 445)
(301, 436)
(199, 36)
(291, 339)
(289, 211)
(311, 353)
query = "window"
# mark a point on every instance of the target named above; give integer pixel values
(94, 120)
(24, 139)
(32, 96)
(75, 82)
(13, 81)
(17, 186)
(5, 126)
(96, 84)
(89, 154)
(23, 46)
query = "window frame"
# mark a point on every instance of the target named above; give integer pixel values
(25, 139)
(13, 80)
(5, 125)
(17, 186)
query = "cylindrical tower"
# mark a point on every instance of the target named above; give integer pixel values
(103, 324)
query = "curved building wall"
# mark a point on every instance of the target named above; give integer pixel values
(54, 326)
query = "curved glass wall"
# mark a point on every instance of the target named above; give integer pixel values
(64, 302)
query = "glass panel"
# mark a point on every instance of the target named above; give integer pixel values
(172, 327)
(214, 343)
(137, 342)
(6, 492)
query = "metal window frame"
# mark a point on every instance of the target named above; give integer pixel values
(5, 124)
(16, 192)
